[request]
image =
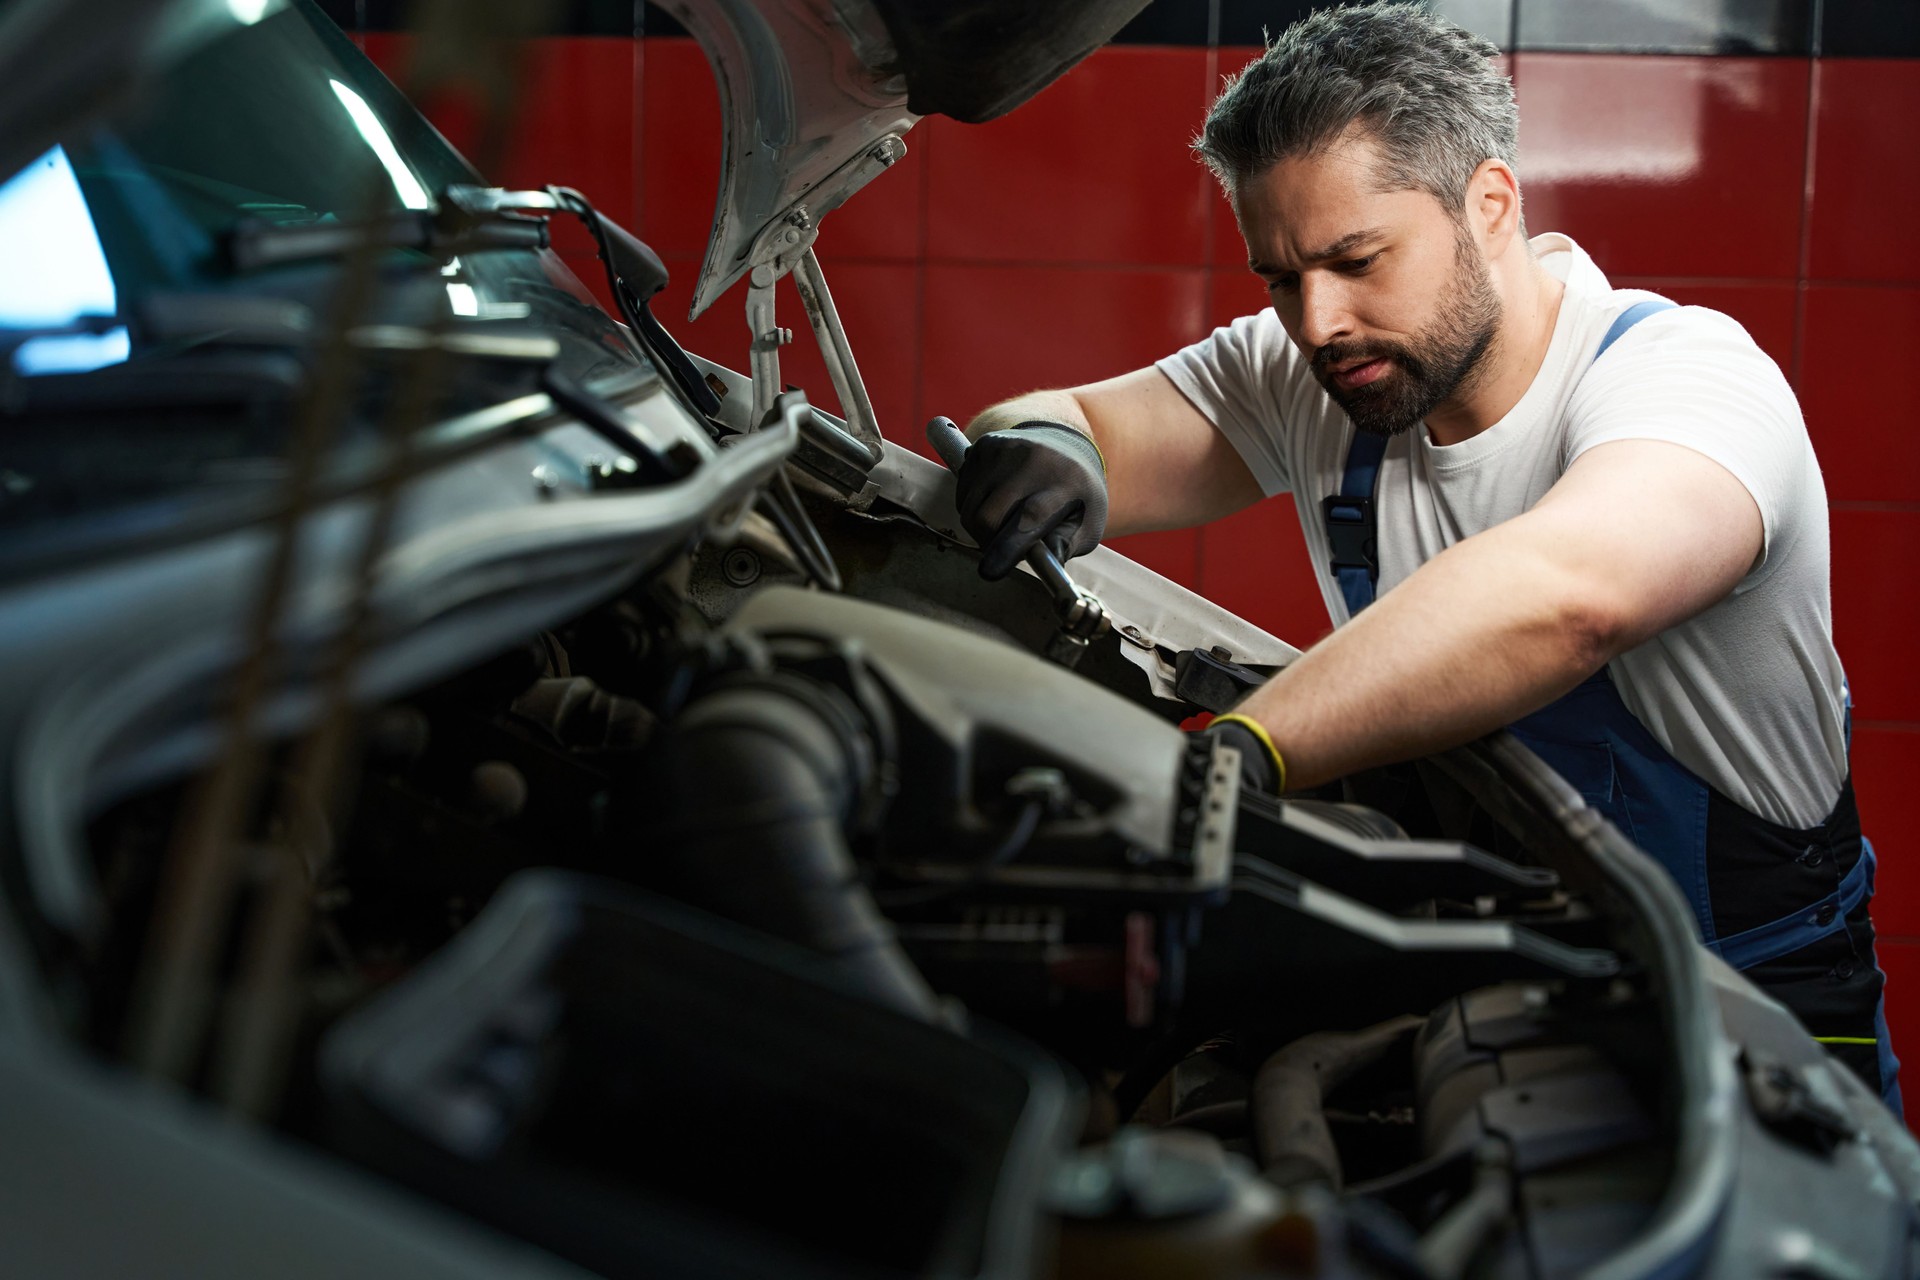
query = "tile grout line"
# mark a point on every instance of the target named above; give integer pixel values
(1808, 158)
(1088, 264)
(1208, 242)
(991, 264)
(923, 203)
(1761, 282)
(637, 181)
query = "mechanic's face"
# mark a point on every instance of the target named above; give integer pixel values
(1386, 294)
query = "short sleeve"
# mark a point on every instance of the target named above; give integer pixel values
(1236, 377)
(1694, 377)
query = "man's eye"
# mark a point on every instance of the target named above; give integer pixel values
(1355, 266)
(1283, 284)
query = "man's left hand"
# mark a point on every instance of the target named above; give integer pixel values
(1261, 768)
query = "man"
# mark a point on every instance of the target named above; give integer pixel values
(1535, 501)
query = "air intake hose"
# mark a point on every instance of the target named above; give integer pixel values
(1290, 1129)
(763, 776)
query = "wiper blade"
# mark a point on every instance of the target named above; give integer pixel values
(452, 228)
(634, 275)
(235, 319)
(209, 380)
(13, 337)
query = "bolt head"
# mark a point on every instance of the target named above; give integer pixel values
(741, 567)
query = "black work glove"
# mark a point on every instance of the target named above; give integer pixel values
(1038, 480)
(1260, 767)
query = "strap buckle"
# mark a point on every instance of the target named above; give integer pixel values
(1350, 532)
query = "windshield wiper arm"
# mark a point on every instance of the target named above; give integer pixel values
(91, 325)
(214, 380)
(452, 228)
(634, 275)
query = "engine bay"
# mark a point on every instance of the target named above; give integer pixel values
(757, 924)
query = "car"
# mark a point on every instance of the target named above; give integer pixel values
(491, 792)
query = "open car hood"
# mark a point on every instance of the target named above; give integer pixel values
(816, 98)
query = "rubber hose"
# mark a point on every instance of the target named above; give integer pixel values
(763, 779)
(1290, 1130)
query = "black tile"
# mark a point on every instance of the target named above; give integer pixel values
(1182, 22)
(345, 13)
(572, 18)
(384, 15)
(1161, 22)
(1244, 21)
(1869, 29)
(1670, 26)
(1491, 19)
(658, 22)
(603, 18)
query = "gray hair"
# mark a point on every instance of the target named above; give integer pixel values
(1423, 87)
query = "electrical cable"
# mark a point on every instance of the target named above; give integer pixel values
(781, 504)
(1019, 835)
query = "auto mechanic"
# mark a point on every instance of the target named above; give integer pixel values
(1534, 501)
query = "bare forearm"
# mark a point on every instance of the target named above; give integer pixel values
(1480, 636)
(1637, 536)
(1035, 406)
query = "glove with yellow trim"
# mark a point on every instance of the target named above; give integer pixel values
(1261, 768)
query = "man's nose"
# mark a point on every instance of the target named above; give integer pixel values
(1324, 316)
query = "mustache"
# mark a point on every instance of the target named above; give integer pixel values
(1345, 352)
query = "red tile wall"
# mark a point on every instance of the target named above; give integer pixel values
(1858, 323)
(1077, 239)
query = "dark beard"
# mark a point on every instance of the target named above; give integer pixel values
(1440, 362)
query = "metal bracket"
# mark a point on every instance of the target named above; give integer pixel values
(1385, 874)
(763, 355)
(786, 243)
(785, 239)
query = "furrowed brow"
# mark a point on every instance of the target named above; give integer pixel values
(1339, 248)
(1347, 244)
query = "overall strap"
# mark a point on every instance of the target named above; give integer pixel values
(1632, 316)
(1348, 516)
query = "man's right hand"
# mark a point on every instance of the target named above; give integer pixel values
(1034, 481)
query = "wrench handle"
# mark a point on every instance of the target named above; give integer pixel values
(949, 442)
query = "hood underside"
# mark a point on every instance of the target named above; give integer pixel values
(817, 96)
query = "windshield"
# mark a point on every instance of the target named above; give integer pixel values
(280, 123)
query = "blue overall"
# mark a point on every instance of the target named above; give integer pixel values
(1788, 907)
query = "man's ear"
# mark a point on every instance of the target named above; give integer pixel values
(1493, 205)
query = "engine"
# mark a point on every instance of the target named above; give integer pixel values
(838, 934)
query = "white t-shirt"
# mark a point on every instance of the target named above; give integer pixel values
(1746, 694)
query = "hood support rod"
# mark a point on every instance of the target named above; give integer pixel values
(838, 354)
(863, 437)
(786, 244)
